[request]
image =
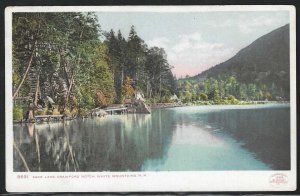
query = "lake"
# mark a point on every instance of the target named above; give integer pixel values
(192, 138)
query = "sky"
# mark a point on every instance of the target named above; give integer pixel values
(195, 41)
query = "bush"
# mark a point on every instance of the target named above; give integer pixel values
(67, 112)
(17, 113)
(41, 111)
(70, 113)
(83, 112)
(203, 97)
(232, 100)
(55, 112)
(165, 99)
(155, 99)
(148, 101)
(74, 112)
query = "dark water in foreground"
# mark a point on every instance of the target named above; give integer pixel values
(245, 137)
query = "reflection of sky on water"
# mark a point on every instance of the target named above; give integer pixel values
(197, 148)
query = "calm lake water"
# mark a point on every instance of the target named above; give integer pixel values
(243, 137)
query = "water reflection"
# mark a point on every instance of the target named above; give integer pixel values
(266, 132)
(113, 143)
(263, 130)
(191, 138)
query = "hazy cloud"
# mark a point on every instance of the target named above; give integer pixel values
(196, 41)
(249, 25)
(161, 42)
(190, 53)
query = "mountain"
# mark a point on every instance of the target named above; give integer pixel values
(265, 61)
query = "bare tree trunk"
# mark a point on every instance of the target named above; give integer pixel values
(66, 73)
(147, 90)
(69, 81)
(69, 90)
(26, 72)
(37, 90)
(160, 86)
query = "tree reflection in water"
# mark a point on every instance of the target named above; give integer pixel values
(113, 143)
(44, 145)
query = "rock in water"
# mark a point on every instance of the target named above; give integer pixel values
(141, 107)
(98, 112)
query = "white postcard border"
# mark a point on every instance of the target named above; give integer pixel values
(145, 181)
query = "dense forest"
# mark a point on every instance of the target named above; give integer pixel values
(263, 67)
(221, 91)
(66, 59)
(60, 56)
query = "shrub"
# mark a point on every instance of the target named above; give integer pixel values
(70, 113)
(156, 99)
(74, 112)
(55, 112)
(83, 112)
(203, 97)
(41, 111)
(17, 113)
(165, 99)
(232, 100)
(67, 112)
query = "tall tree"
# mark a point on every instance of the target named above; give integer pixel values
(136, 57)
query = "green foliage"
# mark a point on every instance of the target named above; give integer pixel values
(165, 99)
(259, 64)
(148, 67)
(17, 112)
(55, 112)
(203, 97)
(43, 111)
(232, 100)
(83, 112)
(67, 112)
(155, 99)
(219, 90)
(70, 57)
(78, 70)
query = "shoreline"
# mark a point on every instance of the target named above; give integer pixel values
(151, 106)
(173, 105)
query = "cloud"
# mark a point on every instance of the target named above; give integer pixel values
(249, 25)
(219, 24)
(186, 42)
(196, 36)
(191, 54)
(161, 42)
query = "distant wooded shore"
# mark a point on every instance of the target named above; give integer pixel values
(104, 112)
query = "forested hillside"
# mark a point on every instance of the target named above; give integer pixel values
(61, 56)
(260, 70)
